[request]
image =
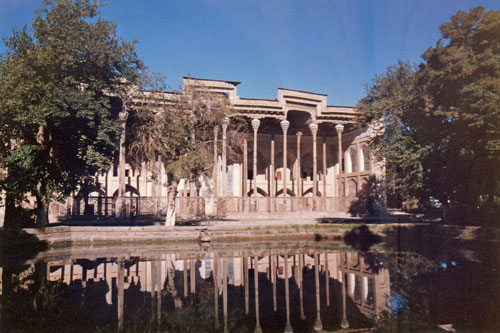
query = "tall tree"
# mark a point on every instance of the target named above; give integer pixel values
(442, 121)
(461, 81)
(57, 124)
(178, 133)
(389, 107)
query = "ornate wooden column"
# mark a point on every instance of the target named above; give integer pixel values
(324, 167)
(340, 129)
(225, 123)
(272, 171)
(123, 116)
(245, 168)
(284, 126)
(216, 185)
(314, 130)
(299, 172)
(255, 126)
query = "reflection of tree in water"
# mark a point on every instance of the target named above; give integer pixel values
(427, 292)
(34, 304)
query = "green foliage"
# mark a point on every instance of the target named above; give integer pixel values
(180, 132)
(58, 128)
(441, 133)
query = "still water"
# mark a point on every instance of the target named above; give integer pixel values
(299, 286)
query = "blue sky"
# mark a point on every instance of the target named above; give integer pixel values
(330, 47)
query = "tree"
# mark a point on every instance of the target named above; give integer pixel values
(390, 106)
(58, 127)
(179, 134)
(461, 82)
(442, 121)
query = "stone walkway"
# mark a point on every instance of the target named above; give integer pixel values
(249, 219)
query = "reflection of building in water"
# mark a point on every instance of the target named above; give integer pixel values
(360, 284)
(370, 291)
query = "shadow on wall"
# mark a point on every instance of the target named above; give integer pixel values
(370, 199)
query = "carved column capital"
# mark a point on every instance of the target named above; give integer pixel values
(339, 128)
(255, 124)
(123, 115)
(299, 134)
(285, 124)
(314, 128)
(225, 123)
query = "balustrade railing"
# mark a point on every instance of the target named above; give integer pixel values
(196, 206)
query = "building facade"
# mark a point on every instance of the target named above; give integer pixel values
(303, 155)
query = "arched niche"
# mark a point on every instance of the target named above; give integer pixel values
(260, 192)
(289, 192)
(128, 189)
(309, 193)
(365, 158)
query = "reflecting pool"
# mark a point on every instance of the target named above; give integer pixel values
(299, 286)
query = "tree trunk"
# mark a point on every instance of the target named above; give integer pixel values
(172, 194)
(171, 289)
(11, 215)
(42, 211)
(87, 210)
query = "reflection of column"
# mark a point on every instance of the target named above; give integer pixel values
(157, 289)
(224, 293)
(272, 172)
(301, 290)
(255, 126)
(288, 326)
(245, 168)
(327, 280)
(158, 292)
(273, 276)
(318, 326)
(67, 272)
(245, 277)
(185, 276)
(256, 286)
(149, 266)
(192, 273)
(284, 126)
(340, 129)
(299, 172)
(216, 170)
(120, 295)
(225, 123)
(215, 279)
(314, 130)
(344, 323)
(109, 282)
(84, 277)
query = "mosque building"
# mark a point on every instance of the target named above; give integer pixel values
(303, 155)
